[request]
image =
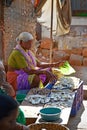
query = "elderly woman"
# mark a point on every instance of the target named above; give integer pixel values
(24, 70)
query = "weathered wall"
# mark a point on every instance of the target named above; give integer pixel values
(20, 17)
(1, 29)
(76, 38)
(17, 18)
(71, 47)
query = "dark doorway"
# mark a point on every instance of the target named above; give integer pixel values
(79, 7)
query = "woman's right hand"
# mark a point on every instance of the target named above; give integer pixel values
(50, 76)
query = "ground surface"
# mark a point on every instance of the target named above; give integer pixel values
(79, 122)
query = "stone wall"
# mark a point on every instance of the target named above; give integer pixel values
(17, 18)
(76, 56)
(76, 38)
(71, 47)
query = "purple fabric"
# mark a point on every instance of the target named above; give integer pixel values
(42, 77)
(22, 80)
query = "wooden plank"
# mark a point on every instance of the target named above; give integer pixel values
(30, 111)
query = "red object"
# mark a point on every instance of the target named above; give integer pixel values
(36, 3)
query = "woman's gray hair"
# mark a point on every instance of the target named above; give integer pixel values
(25, 37)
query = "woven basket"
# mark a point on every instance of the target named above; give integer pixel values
(47, 126)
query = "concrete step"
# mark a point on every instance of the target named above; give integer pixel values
(79, 122)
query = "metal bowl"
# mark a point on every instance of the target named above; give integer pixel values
(50, 113)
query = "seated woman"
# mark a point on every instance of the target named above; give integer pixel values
(8, 114)
(24, 70)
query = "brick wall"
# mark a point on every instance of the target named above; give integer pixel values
(72, 47)
(17, 18)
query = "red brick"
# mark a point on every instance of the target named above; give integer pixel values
(67, 51)
(46, 52)
(60, 55)
(76, 60)
(46, 43)
(85, 61)
(84, 53)
(77, 51)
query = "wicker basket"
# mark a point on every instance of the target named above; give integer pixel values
(47, 126)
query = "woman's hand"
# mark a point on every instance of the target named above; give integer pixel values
(58, 64)
(50, 76)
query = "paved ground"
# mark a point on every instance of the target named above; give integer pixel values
(79, 122)
(81, 72)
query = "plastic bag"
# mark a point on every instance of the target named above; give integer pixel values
(66, 69)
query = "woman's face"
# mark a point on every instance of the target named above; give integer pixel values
(8, 123)
(26, 45)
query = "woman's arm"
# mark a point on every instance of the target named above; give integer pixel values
(48, 73)
(47, 65)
